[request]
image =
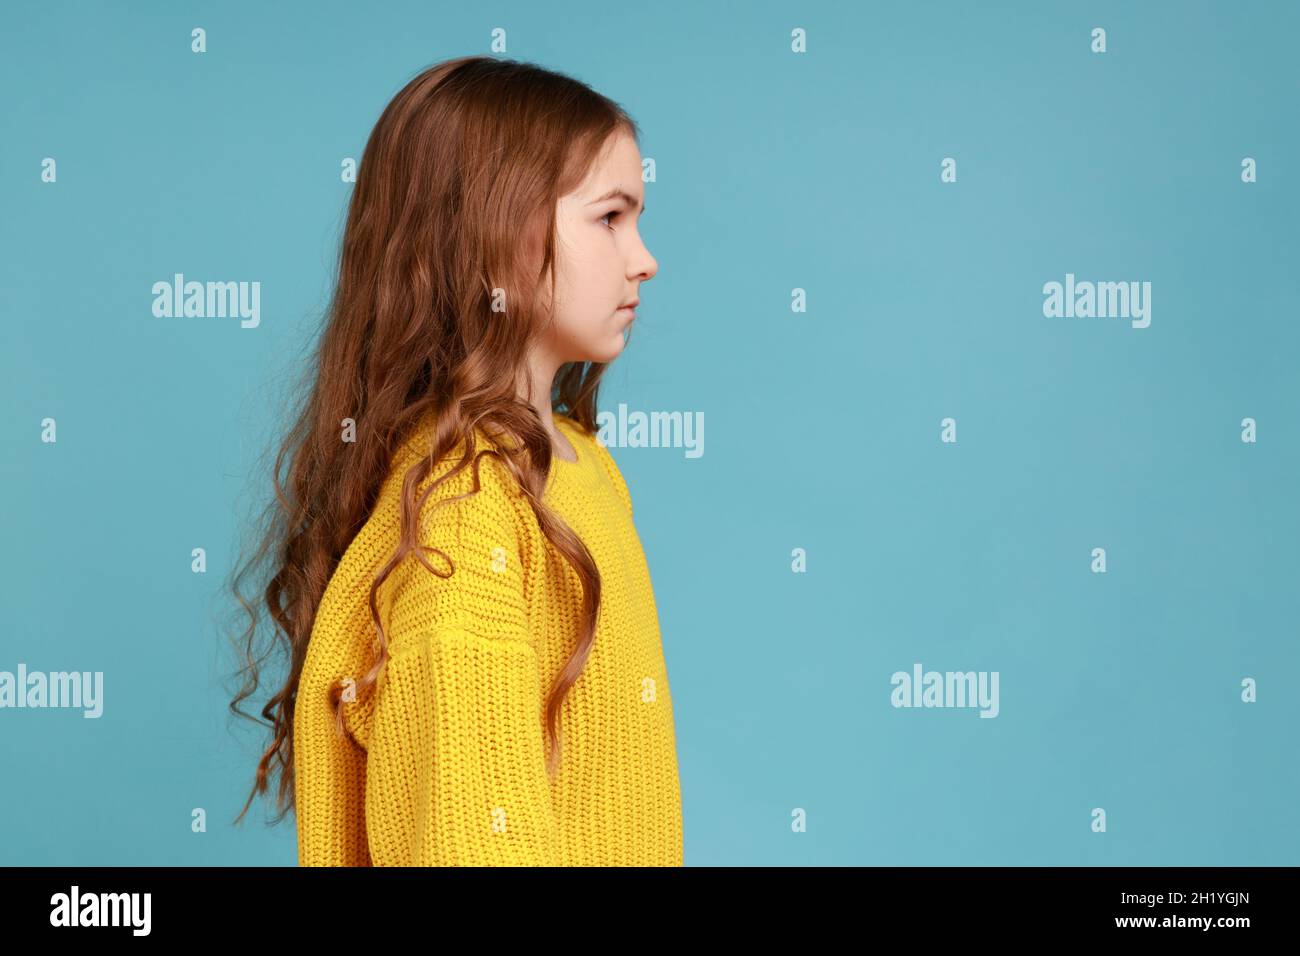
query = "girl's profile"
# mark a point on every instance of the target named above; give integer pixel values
(475, 673)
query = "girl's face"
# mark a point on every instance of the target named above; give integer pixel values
(600, 260)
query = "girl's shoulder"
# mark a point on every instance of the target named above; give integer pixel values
(494, 477)
(417, 444)
(591, 444)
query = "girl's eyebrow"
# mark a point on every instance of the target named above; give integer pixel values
(617, 193)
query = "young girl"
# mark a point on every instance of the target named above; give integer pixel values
(476, 675)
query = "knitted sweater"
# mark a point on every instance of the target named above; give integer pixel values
(443, 761)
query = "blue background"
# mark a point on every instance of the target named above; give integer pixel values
(775, 171)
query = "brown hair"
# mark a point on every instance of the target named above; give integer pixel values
(465, 165)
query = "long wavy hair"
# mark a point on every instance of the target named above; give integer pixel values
(456, 191)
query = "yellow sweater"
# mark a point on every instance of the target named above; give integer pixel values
(444, 763)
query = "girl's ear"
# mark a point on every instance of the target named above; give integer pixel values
(533, 244)
(534, 240)
(529, 249)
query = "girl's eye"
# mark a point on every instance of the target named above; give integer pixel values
(609, 215)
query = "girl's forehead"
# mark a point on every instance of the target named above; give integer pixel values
(619, 161)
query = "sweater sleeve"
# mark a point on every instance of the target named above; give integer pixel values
(456, 771)
(329, 766)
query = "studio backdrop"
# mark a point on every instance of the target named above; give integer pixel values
(961, 419)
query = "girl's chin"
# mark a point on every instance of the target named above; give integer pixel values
(607, 350)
